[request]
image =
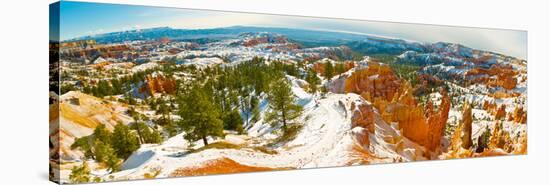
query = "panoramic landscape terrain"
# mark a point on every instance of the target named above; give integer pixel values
(169, 102)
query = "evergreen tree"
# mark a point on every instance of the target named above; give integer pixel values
(313, 80)
(137, 125)
(329, 70)
(281, 101)
(102, 134)
(124, 141)
(340, 68)
(246, 107)
(113, 163)
(147, 134)
(141, 130)
(233, 121)
(130, 99)
(84, 144)
(80, 174)
(102, 151)
(155, 137)
(199, 117)
(483, 140)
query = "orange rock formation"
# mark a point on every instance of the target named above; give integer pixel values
(500, 113)
(158, 84)
(363, 116)
(519, 115)
(498, 75)
(467, 126)
(395, 101)
(377, 80)
(423, 128)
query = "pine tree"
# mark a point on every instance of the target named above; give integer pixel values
(137, 125)
(124, 141)
(199, 117)
(102, 151)
(339, 68)
(255, 108)
(313, 80)
(84, 144)
(80, 174)
(329, 70)
(233, 121)
(155, 137)
(102, 134)
(281, 101)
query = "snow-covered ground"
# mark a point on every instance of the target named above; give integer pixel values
(326, 140)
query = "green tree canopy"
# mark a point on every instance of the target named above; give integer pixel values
(199, 116)
(124, 141)
(281, 101)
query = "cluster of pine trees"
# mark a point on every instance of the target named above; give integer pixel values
(331, 70)
(111, 148)
(116, 86)
(215, 99)
(228, 98)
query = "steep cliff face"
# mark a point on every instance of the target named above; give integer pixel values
(158, 84)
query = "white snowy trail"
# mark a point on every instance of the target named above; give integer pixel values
(324, 141)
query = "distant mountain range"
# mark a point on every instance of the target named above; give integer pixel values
(227, 32)
(364, 44)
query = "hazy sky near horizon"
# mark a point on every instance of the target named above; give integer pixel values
(82, 19)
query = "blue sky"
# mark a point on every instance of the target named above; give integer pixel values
(81, 19)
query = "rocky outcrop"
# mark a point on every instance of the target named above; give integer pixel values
(158, 84)
(461, 140)
(395, 101)
(467, 126)
(501, 75)
(500, 138)
(499, 143)
(456, 149)
(519, 115)
(500, 113)
(377, 81)
(424, 128)
(363, 116)
(265, 39)
(78, 114)
(425, 83)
